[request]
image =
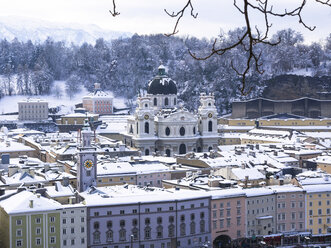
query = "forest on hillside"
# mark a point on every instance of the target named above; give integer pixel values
(125, 65)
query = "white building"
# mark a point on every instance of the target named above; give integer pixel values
(160, 125)
(32, 110)
(98, 102)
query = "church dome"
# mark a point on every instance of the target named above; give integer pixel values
(162, 84)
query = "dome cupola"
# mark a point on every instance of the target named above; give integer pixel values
(162, 84)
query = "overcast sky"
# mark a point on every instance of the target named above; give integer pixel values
(148, 16)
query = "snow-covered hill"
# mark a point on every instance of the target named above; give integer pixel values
(36, 30)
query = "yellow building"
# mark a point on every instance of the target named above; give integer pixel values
(77, 119)
(318, 207)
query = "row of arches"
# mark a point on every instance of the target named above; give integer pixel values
(166, 101)
(182, 130)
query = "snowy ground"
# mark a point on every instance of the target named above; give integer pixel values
(8, 104)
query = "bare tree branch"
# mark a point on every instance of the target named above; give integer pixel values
(114, 12)
(179, 15)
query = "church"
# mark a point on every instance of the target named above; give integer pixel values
(161, 125)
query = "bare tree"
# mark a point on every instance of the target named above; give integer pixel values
(251, 37)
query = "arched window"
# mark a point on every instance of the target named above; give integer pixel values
(210, 126)
(210, 148)
(135, 233)
(182, 149)
(96, 237)
(155, 102)
(147, 152)
(147, 232)
(166, 101)
(168, 152)
(134, 222)
(192, 227)
(96, 225)
(159, 220)
(131, 129)
(147, 221)
(193, 130)
(109, 236)
(175, 101)
(171, 230)
(202, 226)
(182, 229)
(146, 127)
(159, 232)
(122, 233)
(137, 128)
(182, 131)
(167, 131)
(146, 105)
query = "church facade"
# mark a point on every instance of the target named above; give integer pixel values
(160, 124)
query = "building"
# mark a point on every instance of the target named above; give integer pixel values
(305, 106)
(98, 101)
(161, 125)
(131, 216)
(32, 110)
(29, 220)
(75, 121)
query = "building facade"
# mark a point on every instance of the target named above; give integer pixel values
(32, 110)
(98, 102)
(161, 125)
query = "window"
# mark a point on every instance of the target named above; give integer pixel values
(96, 225)
(52, 229)
(134, 222)
(73, 242)
(159, 220)
(135, 233)
(72, 230)
(182, 217)
(64, 221)
(166, 101)
(182, 229)
(96, 237)
(155, 102)
(109, 236)
(147, 210)
(171, 230)
(210, 126)
(82, 229)
(109, 212)
(38, 241)
(167, 131)
(51, 219)
(38, 230)
(159, 209)
(147, 221)
(19, 243)
(192, 227)
(122, 211)
(82, 241)
(192, 216)
(38, 220)
(64, 231)
(171, 219)
(147, 232)
(228, 222)
(52, 240)
(238, 221)
(319, 211)
(82, 219)
(146, 127)
(122, 223)
(159, 232)
(72, 220)
(221, 223)
(182, 131)
(202, 226)
(19, 222)
(19, 232)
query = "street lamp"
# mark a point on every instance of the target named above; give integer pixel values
(131, 240)
(307, 240)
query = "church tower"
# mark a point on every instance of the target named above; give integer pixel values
(207, 115)
(87, 161)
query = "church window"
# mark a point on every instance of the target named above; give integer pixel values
(146, 105)
(147, 152)
(182, 131)
(155, 102)
(168, 152)
(210, 126)
(131, 129)
(193, 130)
(182, 149)
(209, 104)
(146, 127)
(137, 128)
(166, 101)
(167, 131)
(175, 101)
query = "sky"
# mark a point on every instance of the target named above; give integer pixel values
(148, 16)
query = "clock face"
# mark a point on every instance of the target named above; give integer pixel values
(88, 164)
(146, 117)
(210, 115)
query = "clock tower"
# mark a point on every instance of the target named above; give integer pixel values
(87, 160)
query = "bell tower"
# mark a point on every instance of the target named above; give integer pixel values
(87, 160)
(207, 115)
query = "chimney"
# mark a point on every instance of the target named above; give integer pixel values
(12, 169)
(31, 204)
(246, 181)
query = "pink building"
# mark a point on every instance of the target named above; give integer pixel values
(98, 102)
(227, 216)
(290, 210)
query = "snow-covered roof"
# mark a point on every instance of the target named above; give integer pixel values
(58, 190)
(252, 173)
(21, 203)
(253, 192)
(32, 100)
(317, 188)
